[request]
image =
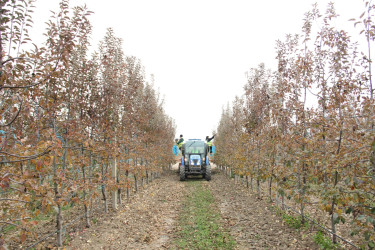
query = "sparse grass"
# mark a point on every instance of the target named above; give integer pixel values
(39, 218)
(324, 241)
(45, 216)
(66, 207)
(294, 222)
(200, 222)
(67, 240)
(9, 228)
(290, 220)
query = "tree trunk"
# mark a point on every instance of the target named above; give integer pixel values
(301, 193)
(92, 164)
(59, 222)
(87, 215)
(372, 158)
(59, 236)
(270, 188)
(333, 223)
(119, 200)
(114, 192)
(105, 198)
(104, 188)
(127, 184)
(135, 183)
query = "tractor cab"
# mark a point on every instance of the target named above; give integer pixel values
(195, 159)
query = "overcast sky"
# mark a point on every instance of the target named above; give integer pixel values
(198, 50)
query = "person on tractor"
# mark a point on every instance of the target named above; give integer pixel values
(209, 143)
(180, 142)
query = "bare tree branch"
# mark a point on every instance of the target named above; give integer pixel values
(25, 158)
(19, 110)
(37, 83)
(8, 199)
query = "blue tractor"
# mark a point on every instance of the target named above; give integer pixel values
(195, 160)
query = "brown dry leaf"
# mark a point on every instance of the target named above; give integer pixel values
(23, 237)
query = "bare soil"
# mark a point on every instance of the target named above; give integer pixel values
(150, 220)
(252, 222)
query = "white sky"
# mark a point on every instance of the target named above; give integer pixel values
(198, 50)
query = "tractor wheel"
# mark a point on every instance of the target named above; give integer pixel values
(208, 173)
(182, 173)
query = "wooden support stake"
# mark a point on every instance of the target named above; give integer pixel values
(114, 192)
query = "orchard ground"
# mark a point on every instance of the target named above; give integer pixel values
(160, 216)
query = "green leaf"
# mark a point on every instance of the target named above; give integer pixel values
(336, 218)
(349, 210)
(361, 217)
(342, 219)
(347, 181)
(354, 232)
(367, 235)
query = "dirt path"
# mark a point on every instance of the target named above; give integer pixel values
(251, 222)
(147, 222)
(151, 219)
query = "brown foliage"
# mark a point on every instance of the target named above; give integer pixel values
(310, 126)
(66, 119)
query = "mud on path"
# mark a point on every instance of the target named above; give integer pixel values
(150, 220)
(251, 221)
(146, 222)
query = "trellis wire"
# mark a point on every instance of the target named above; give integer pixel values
(322, 227)
(65, 226)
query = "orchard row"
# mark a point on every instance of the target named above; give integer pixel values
(73, 127)
(308, 128)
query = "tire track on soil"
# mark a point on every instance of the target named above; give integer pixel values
(250, 221)
(148, 221)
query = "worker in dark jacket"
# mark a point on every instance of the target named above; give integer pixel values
(209, 143)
